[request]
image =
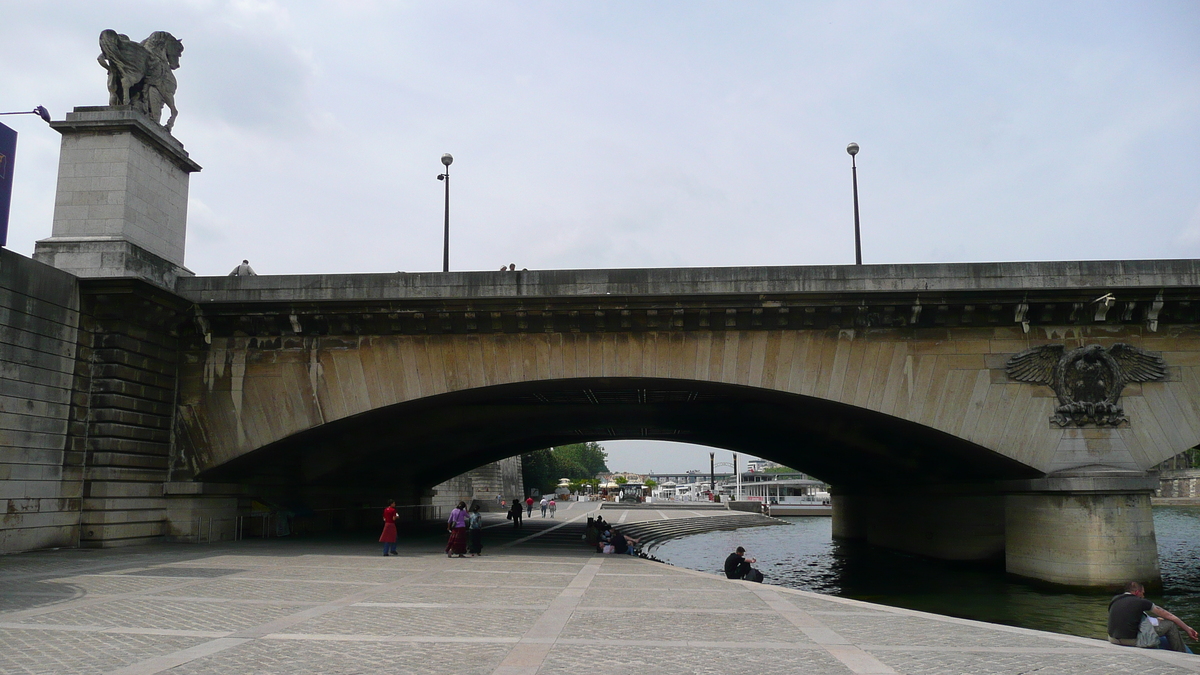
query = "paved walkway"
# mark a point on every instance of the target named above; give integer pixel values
(536, 602)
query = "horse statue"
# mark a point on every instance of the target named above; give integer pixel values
(139, 74)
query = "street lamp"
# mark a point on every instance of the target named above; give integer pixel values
(39, 111)
(712, 474)
(446, 160)
(853, 150)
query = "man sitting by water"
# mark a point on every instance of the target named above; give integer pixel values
(737, 566)
(1127, 611)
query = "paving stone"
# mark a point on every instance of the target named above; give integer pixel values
(267, 590)
(990, 663)
(166, 614)
(618, 625)
(420, 622)
(598, 659)
(57, 652)
(290, 657)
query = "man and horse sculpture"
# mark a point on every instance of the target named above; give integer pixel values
(139, 73)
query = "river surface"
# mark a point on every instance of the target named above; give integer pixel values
(805, 556)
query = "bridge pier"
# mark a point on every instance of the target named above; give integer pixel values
(1082, 528)
(945, 522)
(1087, 528)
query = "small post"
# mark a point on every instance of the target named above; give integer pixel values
(737, 481)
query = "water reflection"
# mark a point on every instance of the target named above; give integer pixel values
(805, 556)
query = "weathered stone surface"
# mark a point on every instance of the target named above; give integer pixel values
(139, 74)
(39, 319)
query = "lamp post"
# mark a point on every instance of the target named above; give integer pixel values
(712, 475)
(853, 150)
(737, 481)
(446, 160)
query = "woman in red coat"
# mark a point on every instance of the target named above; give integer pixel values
(389, 529)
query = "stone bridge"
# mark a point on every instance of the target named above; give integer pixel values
(888, 382)
(138, 400)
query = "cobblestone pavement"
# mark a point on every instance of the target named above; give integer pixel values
(535, 603)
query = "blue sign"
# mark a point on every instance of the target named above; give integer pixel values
(8, 152)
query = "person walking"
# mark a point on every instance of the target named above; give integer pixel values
(1128, 611)
(456, 525)
(553, 507)
(529, 506)
(514, 513)
(544, 504)
(388, 538)
(475, 531)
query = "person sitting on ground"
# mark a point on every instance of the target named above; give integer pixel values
(737, 565)
(1127, 611)
(623, 543)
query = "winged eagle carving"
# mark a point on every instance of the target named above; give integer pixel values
(1087, 380)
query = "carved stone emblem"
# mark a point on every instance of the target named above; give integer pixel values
(1087, 380)
(139, 73)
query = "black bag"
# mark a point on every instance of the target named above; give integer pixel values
(755, 576)
(508, 516)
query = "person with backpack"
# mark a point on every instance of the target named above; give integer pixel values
(737, 566)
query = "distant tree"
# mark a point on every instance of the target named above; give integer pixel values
(651, 483)
(591, 456)
(542, 469)
(620, 480)
(780, 469)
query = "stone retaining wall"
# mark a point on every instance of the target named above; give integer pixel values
(1179, 484)
(40, 472)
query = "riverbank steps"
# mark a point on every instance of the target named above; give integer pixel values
(536, 602)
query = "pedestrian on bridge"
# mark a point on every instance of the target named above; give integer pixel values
(388, 538)
(553, 507)
(529, 506)
(456, 524)
(545, 504)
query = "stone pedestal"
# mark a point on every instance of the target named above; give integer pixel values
(121, 206)
(1091, 527)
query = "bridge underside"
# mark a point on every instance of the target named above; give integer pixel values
(424, 442)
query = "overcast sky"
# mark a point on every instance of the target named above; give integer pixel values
(636, 134)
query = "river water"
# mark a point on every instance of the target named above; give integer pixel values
(805, 556)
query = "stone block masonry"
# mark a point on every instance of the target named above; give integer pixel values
(40, 474)
(126, 379)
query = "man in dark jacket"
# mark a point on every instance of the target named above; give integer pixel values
(1125, 613)
(737, 565)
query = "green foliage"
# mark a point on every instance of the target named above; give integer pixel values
(590, 457)
(579, 462)
(620, 480)
(651, 483)
(780, 469)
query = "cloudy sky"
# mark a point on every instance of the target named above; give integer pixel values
(639, 134)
